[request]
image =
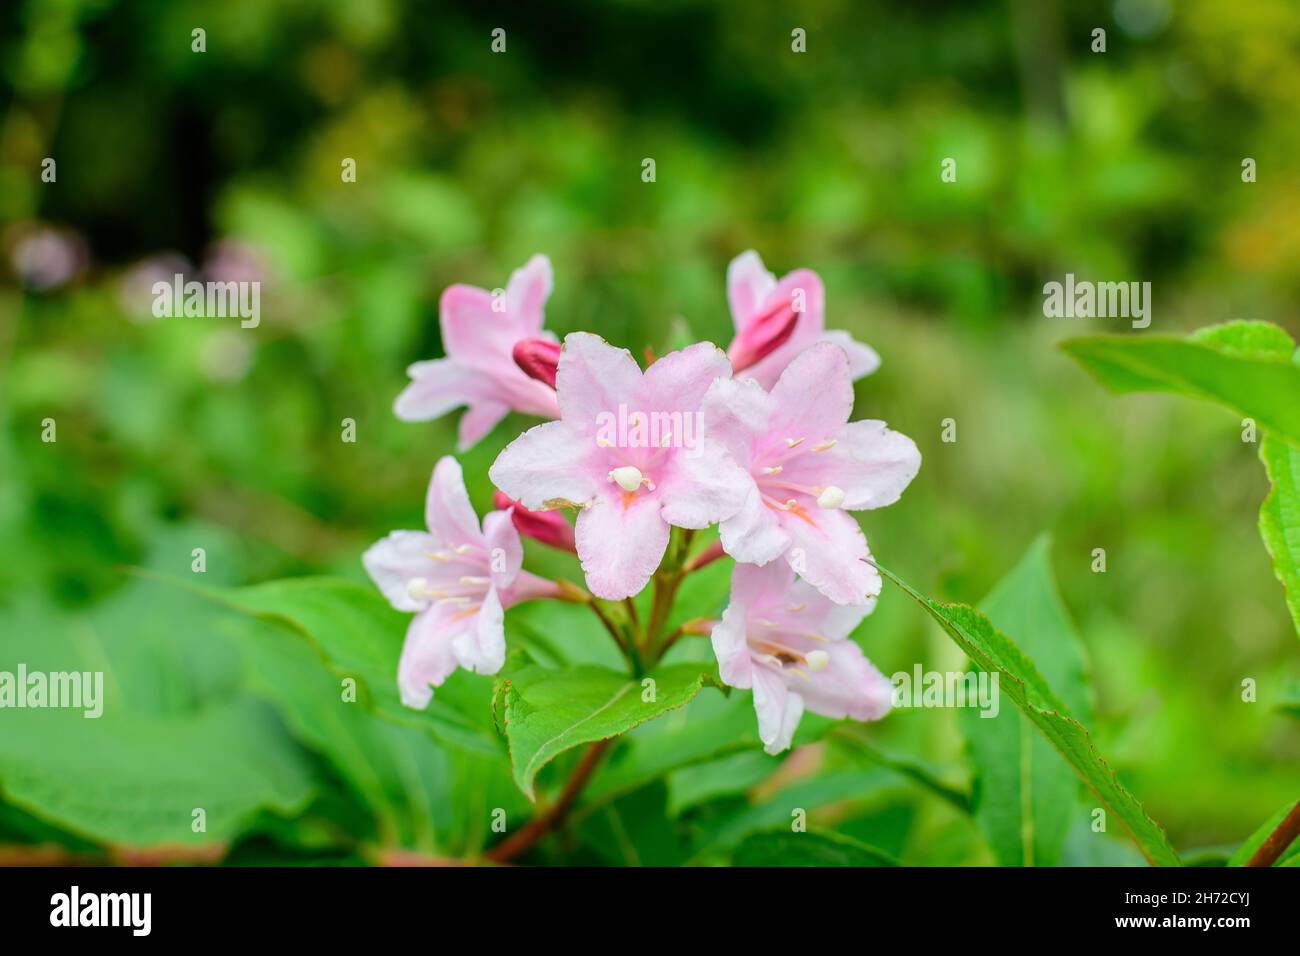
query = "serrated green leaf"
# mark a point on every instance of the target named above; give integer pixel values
(814, 847)
(1020, 681)
(1279, 518)
(1244, 365)
(1025, 796)
(543, 712)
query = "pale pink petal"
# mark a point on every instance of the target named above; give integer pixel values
(436, 388)
(547, 465)
(471, 331)
(505, 550)
(863, 359)
(820, 615)
(480, 419)
(802, 285)
(526, 294)
(621, 540)
(736, 412)
(447, 509)
(427, 656)
(593, 377)
(753, 534)
(848, 686)
(748, 286)
(829, 552)
(703, 486)
(778, 709)
(870, 463)
(679, 380)
(730, 646)
(481, 646)
(528, 587)
(393, 561)
(814, 395)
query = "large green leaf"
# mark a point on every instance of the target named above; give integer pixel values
(1243, 365)
(1025, 796)
(810, 848)
(1020, 680)
(1279, 517)
(421, 795)
(171, 739)
(545, 712)
(353, 629)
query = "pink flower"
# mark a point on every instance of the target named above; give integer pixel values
(807, 465)
(762, 307)
(629, 450)
(780, 637)
(479, 332)
(458, 580)
(548, 527)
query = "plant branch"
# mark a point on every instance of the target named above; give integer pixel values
(1275, 843)
(542, 824)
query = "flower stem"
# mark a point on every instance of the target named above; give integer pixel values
(1275, 843)
(542, 824)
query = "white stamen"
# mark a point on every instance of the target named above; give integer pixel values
(463, 549)
(795, 608)
(628, 477)
(826, 445)
(473, 579)
(417, 588)
(816, 660)
(604, 443)
(830, 498)
(773, 470)
(793, 442)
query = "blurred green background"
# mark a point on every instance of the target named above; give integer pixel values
(180, 433)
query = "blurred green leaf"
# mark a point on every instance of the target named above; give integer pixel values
(814, 847)
(1025, 795)
(1279, 517)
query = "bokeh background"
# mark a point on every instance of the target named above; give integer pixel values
(179, 433)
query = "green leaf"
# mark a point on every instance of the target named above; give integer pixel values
(1244, 365)
(1252, 367)
(814, 847)
(355, 631)
(1279, 517)
(1020, 680)
(1025, 796)
(169, 741)
(544, 712)
(1290, 856)
(421, 795)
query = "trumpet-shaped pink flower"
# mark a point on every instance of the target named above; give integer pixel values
(629, 450)
(807, 464)
(458, 579)
(479, 332)
(776, 320)
(788, 643)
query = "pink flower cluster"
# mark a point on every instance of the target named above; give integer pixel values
(756, 440)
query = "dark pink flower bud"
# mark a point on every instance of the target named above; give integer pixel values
(548, 527)
(763, 334)
(539, 359)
